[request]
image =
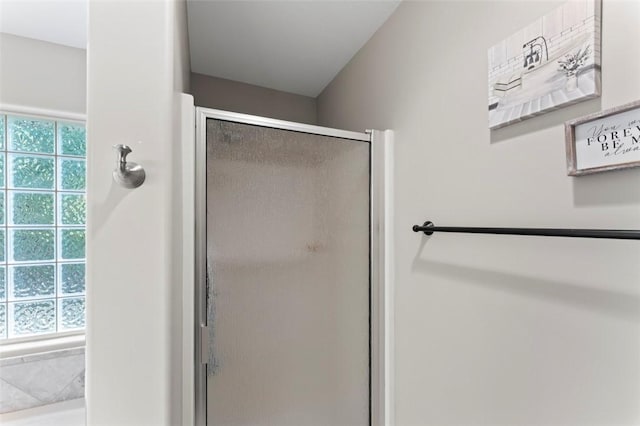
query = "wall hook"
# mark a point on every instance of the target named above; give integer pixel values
(129, 175)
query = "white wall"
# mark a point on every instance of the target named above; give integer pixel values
(38, 74)
(136, 66)
(182, 242)
(496, 329)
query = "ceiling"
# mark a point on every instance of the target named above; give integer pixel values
(296, 46)
(293, 46)
(56, 21)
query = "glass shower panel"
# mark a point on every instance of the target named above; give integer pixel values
(288, 259)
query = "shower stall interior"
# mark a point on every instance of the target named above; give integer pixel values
(286, 292)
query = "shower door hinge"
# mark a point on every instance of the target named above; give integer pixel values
(204, 344)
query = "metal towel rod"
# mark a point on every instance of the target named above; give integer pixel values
(618, 234)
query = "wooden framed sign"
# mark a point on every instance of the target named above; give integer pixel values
(606, 140)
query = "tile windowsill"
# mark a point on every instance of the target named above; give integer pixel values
(19, 349)
(67, 413)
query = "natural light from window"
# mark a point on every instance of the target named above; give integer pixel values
(42, 226)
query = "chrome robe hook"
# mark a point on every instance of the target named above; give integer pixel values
(129, 175)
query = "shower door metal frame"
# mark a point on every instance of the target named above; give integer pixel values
(380, 268)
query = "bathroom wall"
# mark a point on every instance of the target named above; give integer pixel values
(39, 74)
(134, 312)
(499, 329)
(213, 92)
(182, 241)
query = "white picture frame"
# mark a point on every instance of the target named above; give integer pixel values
(551, 63)
(606, 140)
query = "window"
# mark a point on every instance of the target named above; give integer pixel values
(42, 226)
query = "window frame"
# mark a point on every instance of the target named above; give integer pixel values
(19, 346)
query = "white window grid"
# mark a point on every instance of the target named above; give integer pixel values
(7, 227)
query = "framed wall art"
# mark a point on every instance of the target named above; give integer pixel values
(606, 140)
(551, 63)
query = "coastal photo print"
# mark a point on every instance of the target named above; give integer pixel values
(553, 62)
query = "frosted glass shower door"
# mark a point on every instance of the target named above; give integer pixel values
(288, 233)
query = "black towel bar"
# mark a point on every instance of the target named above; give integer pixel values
(619, 234)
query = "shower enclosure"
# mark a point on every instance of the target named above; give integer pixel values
(288, 297)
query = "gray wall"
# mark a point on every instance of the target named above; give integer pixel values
(213, 92)
(44, 75)
(496, 329)
(134, 356)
